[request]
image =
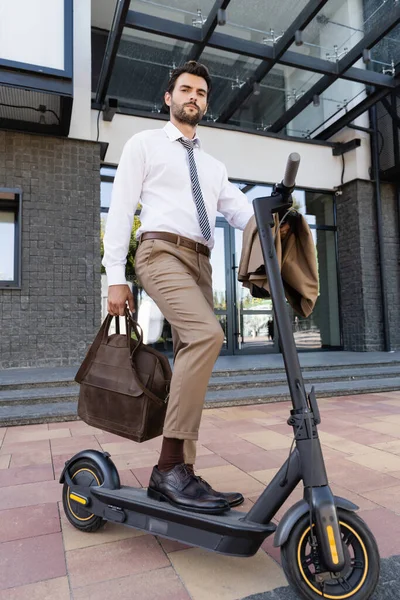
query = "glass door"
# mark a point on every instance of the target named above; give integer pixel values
(221, 282)
(255, 331)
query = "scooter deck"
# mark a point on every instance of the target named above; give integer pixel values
(227, 533)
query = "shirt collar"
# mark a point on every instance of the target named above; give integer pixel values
(174, 134)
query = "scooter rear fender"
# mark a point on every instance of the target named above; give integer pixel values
(102, 460)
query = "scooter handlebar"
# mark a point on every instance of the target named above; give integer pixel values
(292, 166)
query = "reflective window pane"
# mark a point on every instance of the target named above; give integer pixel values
(7, 241)
(322, 328)
(105, 193)
(254, 19)
(339, 26)
(218, 269)
(338, 98)
(229, 72)
(190, 12)
(142, 69)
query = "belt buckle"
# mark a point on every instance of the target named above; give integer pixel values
(197, 247)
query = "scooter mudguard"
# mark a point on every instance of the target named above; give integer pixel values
(295, 513)
(102, 460)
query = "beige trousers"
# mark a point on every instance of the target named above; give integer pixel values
(180, 283)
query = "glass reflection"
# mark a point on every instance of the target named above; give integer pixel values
(190, 12)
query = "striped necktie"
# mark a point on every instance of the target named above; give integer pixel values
(198, 196)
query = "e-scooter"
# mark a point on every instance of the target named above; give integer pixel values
(327, 550)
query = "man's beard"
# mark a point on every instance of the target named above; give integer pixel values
(180, 114)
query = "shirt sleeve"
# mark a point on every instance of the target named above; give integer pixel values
(233, 204)
(125, 197)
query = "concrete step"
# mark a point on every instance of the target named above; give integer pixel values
(276, 393)
(52, 404)
(28, 414)
(256, 379)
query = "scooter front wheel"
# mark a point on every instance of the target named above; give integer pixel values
(86, 473)
(303, 567)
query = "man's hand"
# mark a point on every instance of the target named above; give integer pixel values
(118, 296)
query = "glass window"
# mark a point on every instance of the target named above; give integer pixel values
(190, 12)
(9, 238)
(142, 69)
(105, 193)
(260, 21)
(278, 91)
(337, 99)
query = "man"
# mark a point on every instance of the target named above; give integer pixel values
(180, 188)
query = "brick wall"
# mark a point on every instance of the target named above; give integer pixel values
(359, 266)
(53, 318)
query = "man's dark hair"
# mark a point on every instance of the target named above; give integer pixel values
(194, 68)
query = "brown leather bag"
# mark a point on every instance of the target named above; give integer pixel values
(124, 384)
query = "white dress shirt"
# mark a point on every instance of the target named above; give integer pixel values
(154, 170)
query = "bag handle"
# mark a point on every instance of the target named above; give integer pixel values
(132, 324)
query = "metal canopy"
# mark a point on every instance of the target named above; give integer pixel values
(367, 42)
(253, 62)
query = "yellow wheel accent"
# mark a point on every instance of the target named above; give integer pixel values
(343, 597)
(68, 494)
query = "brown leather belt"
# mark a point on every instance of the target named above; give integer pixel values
(175, 239)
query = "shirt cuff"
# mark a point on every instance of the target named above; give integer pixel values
(116, 275)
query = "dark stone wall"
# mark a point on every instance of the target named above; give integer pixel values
(359, 265)
(55, 315)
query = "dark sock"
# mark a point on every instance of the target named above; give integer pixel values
(171, 454)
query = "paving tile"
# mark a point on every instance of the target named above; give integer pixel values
(343, 445)
(52, 589)
(229, 479)
(31, 521)
(111, 532)
(265, 476)
(87, 566)
(239, 413)
(124, 447)
(30, 474)
(2, 434)
(143, 474)
(163, 584)
(392, 446)
(269, 548)
(360, 500)
(25, 447)
(31, 436)
(389, 428)
(378, 460)
(78, 428)
(31, 560)
(171, 545)
(210, 460)
(385, 526)
(387, 497)
(234, 446)
(25, 459)
(244, 425)
(357, 478)
(5, 460)
(72, 445)
(126, 477)
(269, 440)
(29, 494)
(207, 575)
(29, 428)
(253, 461)
(266, 421)
(368, 437)
(132, 461)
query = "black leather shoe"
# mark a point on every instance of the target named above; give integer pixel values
(232, 498)
(181, 488)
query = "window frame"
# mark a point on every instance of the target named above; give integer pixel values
(16, 207)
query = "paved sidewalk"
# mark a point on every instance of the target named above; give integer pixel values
(43, 557)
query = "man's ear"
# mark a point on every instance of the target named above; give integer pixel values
(167, 98)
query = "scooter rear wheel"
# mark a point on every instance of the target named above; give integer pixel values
(304, 570)
(87, 473)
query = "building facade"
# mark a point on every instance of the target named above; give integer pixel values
(320, 80)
